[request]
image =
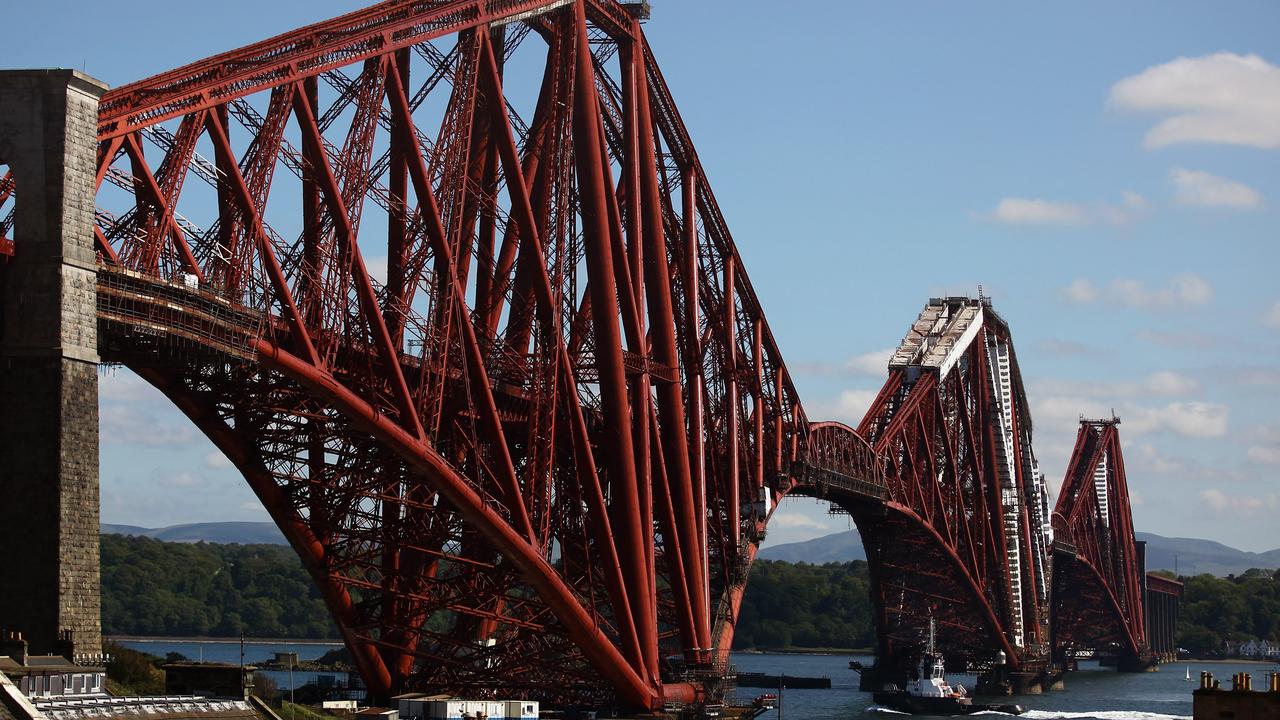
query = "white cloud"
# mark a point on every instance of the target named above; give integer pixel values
(1150, 459)
(1180, 340)
(787, 520)
(1220, 98)
(1133, 207)
(1193, 419)
(1199, 188)
(124, 386)
(377, 269)
(852, 405)
(216, 460)
(1186, 290)
(1272, 317)
(1167, 382)
(1215, 498)
(874, 363)
(1182, 291)
(1062, 413)
(178, 479)
(1055, 346)
(1081, 291)
(1238, 505)
(1267, 449)
(1264, 455)
(1160, 383)
(128, 425)
(1030, 211)
(1039, 212)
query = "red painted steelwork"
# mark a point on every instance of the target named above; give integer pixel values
(1098, 603)
(923, 478)
(536, 455)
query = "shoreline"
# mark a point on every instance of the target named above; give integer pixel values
(1223, 661)
(219, 640)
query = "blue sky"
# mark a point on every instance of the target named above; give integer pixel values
(1108, 172)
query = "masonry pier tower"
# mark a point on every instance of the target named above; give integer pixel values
(49, 362)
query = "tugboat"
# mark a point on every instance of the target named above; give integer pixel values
(931, 694)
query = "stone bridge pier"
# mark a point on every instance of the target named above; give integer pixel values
(49, 580)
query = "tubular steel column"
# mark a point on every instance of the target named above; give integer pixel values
(49, 363)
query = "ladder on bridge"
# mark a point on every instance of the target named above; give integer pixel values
(1011, 503)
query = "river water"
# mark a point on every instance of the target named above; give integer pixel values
(1092, 693)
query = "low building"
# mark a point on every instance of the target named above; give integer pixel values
(46, 676)
(51, 687)
(418, 706)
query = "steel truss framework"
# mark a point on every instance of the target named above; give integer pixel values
(446, 282)
(932, 506)
(532, 455)
(1098, 592)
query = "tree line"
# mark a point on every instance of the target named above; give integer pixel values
(154, 588)
(1236, 608)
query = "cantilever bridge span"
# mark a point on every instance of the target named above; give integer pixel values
(953, 513)
(447, 283)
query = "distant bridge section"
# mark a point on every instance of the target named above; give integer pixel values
(1099, 571)
(1163, 596)
(943, 485)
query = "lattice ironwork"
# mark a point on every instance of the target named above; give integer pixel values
(534, 454)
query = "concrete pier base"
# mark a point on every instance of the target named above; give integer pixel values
(48, 364)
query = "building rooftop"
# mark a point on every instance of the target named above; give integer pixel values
(173, 707)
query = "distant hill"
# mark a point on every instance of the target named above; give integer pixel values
(837, 547)
(1194, 556)
(245, 533)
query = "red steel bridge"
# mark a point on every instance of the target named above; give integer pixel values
(447, 283)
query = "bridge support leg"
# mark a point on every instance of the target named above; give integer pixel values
(48, 364)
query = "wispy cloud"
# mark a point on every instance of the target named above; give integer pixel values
(848, 407)
(1186, 419)
(1221, 98)
(1238, 505)
(874, 363)
(1055, 346)
(216, 461)
(1182, 340)
(129, 425)
(1034, 211)
(1186, 290)
(783, 519)
(1265, 447)
(1081, 291)
(1163, 383)
(1198, 188)
(1271, 318)
(1030, 212)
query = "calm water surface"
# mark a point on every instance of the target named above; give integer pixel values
(255, 652)
(1093, 693)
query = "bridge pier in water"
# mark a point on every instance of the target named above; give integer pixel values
(49, 363)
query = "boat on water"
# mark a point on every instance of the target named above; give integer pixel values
(793, 682)
(930, 693)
